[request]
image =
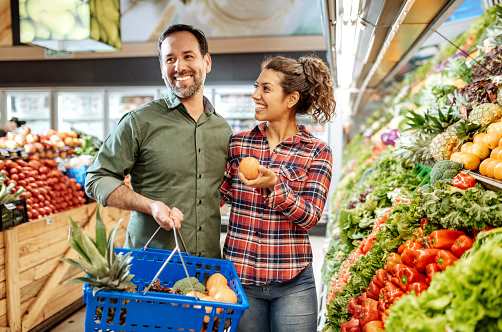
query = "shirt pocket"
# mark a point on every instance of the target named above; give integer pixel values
(294, 176)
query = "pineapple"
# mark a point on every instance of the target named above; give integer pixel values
(104, 269)
(484, 114)
(431, 122)
(417, 150)
(444, 144)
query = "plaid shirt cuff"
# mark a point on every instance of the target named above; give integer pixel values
(281, 197)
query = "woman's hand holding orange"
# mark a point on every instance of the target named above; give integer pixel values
(267, 179)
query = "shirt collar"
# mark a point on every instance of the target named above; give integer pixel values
(172, 101)
(303, 135)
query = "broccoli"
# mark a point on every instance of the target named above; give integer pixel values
(444, 170)
(186, 285)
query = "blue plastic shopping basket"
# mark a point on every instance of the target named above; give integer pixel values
(154, 311)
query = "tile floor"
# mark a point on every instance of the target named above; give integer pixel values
(75, 323)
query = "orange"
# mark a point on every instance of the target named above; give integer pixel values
(249, 167)
(497, 170)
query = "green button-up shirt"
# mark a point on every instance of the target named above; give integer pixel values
(173, 159)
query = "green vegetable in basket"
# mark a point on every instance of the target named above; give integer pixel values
(104, 269)
(186, 285)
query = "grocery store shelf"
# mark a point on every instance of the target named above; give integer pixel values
(491, 183)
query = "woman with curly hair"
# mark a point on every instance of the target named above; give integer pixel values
(271, 215)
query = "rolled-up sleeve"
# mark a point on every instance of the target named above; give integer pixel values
(114, 160)
(304, 209)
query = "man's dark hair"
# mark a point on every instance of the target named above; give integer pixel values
(198, 34)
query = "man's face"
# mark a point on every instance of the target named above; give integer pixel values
(183, 66)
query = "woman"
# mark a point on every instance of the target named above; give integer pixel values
(270, 216)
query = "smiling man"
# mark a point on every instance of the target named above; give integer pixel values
(175, 150)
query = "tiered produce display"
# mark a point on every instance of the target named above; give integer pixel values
(416, 241)
(29, 168)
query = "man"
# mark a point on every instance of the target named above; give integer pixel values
(11, 125)
(175, 150)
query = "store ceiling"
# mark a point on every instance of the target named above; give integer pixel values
(382, 35)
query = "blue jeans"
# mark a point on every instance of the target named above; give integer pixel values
(282, 307)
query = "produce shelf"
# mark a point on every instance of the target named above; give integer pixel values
(489, 182)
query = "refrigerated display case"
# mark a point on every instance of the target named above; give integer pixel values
(120, 102)
(32, 107)
(82, 111)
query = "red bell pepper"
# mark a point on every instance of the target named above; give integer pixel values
(381, 278)
(418, 287)
(374, 326)
(405, 276)
(408, 256)
(411, 244)
(354, 307)
(445, 258)
(431, 269)
(373, 290)
(461, 245)
(391, 293)
(369, 311)
(424, 257)
(350, 326)
(443, 238)
(392, 260)
(463, 181)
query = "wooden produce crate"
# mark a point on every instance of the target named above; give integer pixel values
(32, 275)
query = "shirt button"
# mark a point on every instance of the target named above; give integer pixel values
(257, 233)
(199, 150)
(200, 228)
(200, 176)
(200, 201)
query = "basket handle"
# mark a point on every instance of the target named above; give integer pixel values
(174, 229)
(176, 249)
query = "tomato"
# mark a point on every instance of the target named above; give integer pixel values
(463, 181)
(14, 171)
(35, 164)
(14, 177)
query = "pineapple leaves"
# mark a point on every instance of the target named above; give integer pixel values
(96, 258)
(76, 240)
(100, 233)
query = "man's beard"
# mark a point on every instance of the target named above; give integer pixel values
(186, 92)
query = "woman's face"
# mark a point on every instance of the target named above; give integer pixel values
(269, 98)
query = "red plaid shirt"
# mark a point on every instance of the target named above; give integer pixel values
(267, 236)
